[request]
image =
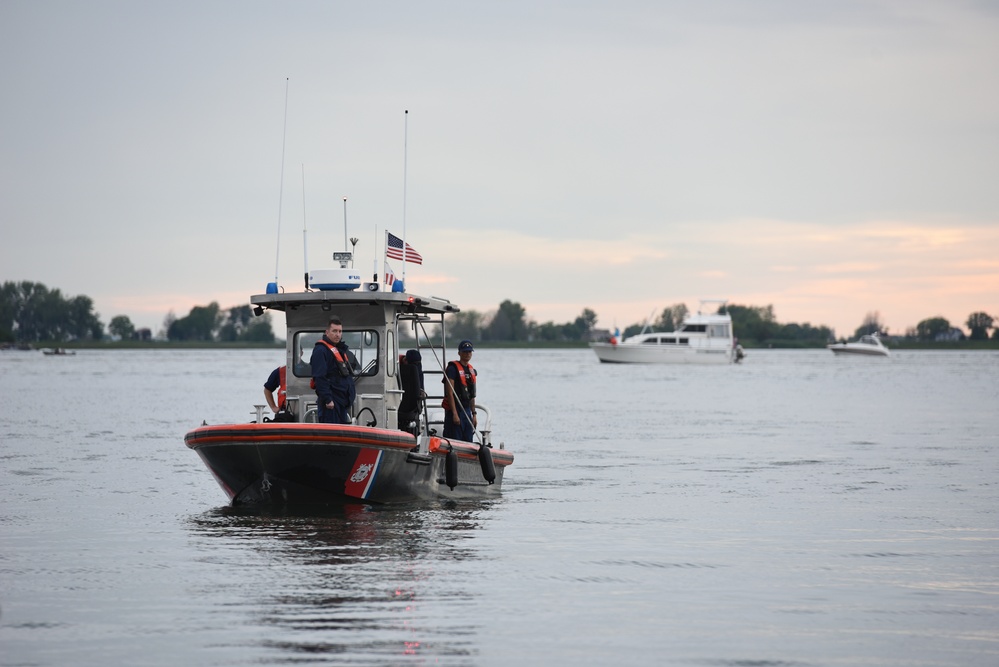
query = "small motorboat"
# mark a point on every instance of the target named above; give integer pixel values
(702, 338)
(867, 345)
(58, 352)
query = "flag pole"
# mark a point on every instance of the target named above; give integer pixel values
(374, 260)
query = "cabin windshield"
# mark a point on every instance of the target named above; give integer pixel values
(718, 331)
(363, 346)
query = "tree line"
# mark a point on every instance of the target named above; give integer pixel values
(32, 313)
(755, 326)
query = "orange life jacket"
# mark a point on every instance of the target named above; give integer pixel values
(466, 392)
(340, 359)
(282, 392)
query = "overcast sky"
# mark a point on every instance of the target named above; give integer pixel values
(832, 159)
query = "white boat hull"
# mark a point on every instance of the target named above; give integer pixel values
(622, 353)
(867, 346)
(846, 350)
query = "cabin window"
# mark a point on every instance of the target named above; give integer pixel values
(363, 346)
(694, 328)
(650, 341)
(718, 331)
(392, 352)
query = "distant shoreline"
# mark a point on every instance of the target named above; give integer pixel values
(990, 344)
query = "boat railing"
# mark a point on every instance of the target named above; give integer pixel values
(435, 422)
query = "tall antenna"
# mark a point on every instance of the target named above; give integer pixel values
(305, 234)
(273, 287)
(405, 164)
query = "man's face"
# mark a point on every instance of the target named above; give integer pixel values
(334, 332)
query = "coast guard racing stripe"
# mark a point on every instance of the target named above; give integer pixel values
(362, 475)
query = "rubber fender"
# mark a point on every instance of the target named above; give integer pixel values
(451, 469)
(486, 463)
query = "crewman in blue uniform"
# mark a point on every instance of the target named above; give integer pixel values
(333, 376)
(459, 395)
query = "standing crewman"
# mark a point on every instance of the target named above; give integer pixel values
(333, 376)
(459, 395)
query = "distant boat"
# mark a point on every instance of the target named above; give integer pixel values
(701, 339)
(868, 345)
(59, 352)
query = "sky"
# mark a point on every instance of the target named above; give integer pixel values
(829, 159)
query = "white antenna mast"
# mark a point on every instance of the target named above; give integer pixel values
(305, 234)
(273, 287)
(405, 162)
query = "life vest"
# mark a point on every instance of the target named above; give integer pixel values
(465, 389)
(339, 359)
(282, 392)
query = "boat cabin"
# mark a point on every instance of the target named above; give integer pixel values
(376, 328)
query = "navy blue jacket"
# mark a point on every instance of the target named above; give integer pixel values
(331, 385)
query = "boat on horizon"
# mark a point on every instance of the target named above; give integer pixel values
(702, 338)
(867, 345)
(370, 459)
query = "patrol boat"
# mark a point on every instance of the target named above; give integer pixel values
(371, 459)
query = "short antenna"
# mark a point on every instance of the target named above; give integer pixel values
(345, 223)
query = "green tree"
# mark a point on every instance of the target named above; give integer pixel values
(979, 323)
(930, 328)
(466, 324)
(507, 324)
(259, 330)
(201, 324)
(672, 317)
(122, 327)
(579, 329)
(754, 323)
(548, 331)
(30, 312)
(234, 323)
(872, 324)
(8, 311)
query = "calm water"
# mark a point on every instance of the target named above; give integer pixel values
(799, 509)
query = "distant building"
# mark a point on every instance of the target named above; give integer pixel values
(599, 335)
(145, 335)
(952, 335)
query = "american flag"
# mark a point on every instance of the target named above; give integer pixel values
(393, 249)
(389, 274)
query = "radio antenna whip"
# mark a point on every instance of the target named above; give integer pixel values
(305, 234)
(284, 136)
(405, 162)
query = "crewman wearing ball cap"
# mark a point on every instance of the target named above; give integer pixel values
(459, 395)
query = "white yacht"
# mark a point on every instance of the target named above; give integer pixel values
(701, 339)
(868, 345)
